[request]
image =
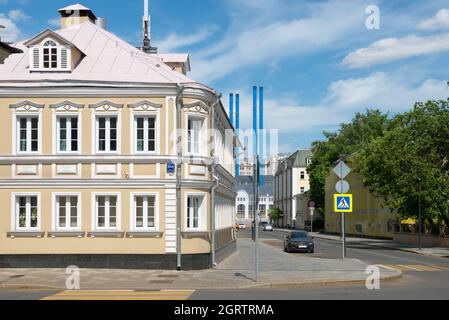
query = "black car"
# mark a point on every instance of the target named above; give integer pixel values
(299, 241)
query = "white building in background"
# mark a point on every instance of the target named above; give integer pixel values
(244, 203)
(291, 181)
(269, 166)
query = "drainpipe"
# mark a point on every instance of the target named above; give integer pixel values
(178, 179)
(216, 183)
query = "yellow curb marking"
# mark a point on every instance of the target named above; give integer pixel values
(413, 267)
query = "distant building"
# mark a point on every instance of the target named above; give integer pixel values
(269, 166)
(291, 180)
(245, 198)
(371, 218)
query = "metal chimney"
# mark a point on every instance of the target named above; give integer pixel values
(231, 108)
(261, 133)
(237, 128)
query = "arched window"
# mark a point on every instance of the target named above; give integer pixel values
(241, 211)
(50, 55)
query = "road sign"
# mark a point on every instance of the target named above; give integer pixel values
(312, 204)
(342, 186)
(342, 170)
(312, 211)
(343, 203)
(170, 168)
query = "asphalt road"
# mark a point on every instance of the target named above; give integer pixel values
(423, 277)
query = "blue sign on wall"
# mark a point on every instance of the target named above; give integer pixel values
(170, 168)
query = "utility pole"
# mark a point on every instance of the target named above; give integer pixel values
(419, 213)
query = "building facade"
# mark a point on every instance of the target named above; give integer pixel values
(269, 166)
(244, 204)
(110, 157)
(291, 180)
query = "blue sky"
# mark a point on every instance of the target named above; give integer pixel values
(317, 60)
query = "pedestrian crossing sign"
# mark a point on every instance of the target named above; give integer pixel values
(343, 203)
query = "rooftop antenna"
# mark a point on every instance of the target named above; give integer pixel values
(147, 48)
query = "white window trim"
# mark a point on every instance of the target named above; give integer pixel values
(55, 213)
(133, 131)
(95, 211)
(203, 134)
(59, 49)
(15, 213)
(16, 134)
(95, 145)
(56, 116)
(202, 225)
(133, 211)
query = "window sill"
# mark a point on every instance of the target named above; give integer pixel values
(144, 234)
(196, 234)
(106, 234)
(67, 234)
(26, 234)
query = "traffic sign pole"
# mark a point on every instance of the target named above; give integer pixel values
(343, 222)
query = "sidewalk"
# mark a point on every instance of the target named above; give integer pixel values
(390, 244)
(277, 269)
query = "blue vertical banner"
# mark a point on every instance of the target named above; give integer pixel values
(231, 108)
(261, 134)
(237, 128)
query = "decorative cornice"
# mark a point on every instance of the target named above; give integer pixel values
(67, 106)
(145, 105)
(106, 105)
(27, 106)
(198, 106)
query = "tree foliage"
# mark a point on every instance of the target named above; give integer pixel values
(347, 141)
(416, 147)
(275, 214)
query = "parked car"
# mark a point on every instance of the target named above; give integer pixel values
(299, 241)
(268, 227)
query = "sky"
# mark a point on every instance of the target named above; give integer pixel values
(317, 60)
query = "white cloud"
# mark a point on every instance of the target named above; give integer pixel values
(247, 44)
(175, 41)
(17, 15)
(11, 33)
(393, 49)
(387, 92)
(439, 21)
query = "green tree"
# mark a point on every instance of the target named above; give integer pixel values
(275, 214)
(417, 147)
(350, 137)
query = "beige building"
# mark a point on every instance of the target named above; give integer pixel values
(92, 172)
(269, 168)
(291, 180)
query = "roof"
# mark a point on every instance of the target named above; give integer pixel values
(107, 59)
(75, 7)
(246, 183)
(297, 160)
(9, 49)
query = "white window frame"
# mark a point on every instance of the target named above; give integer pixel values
(55, 212)
(202, 214)
(59, 48)
(96, 135)
(15, 212)
(202, 135)
(133, 196)
(16, 132)
(57, 118)
(133, 126)
(95, 211)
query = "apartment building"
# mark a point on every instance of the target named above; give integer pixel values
(291, 180)
(92, 172)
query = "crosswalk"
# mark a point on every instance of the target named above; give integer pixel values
(414, 267)
(121, 295)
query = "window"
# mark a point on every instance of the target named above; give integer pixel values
(107, 134)
(303, 189)
(27, 212)
(50, 55)
(145, 133)
(67, 134)
(193, 212)
(145, 212)
(67, 208)
(303, 175)
(28, 134)
(241, 210)
(194, 127)
(106, 212)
